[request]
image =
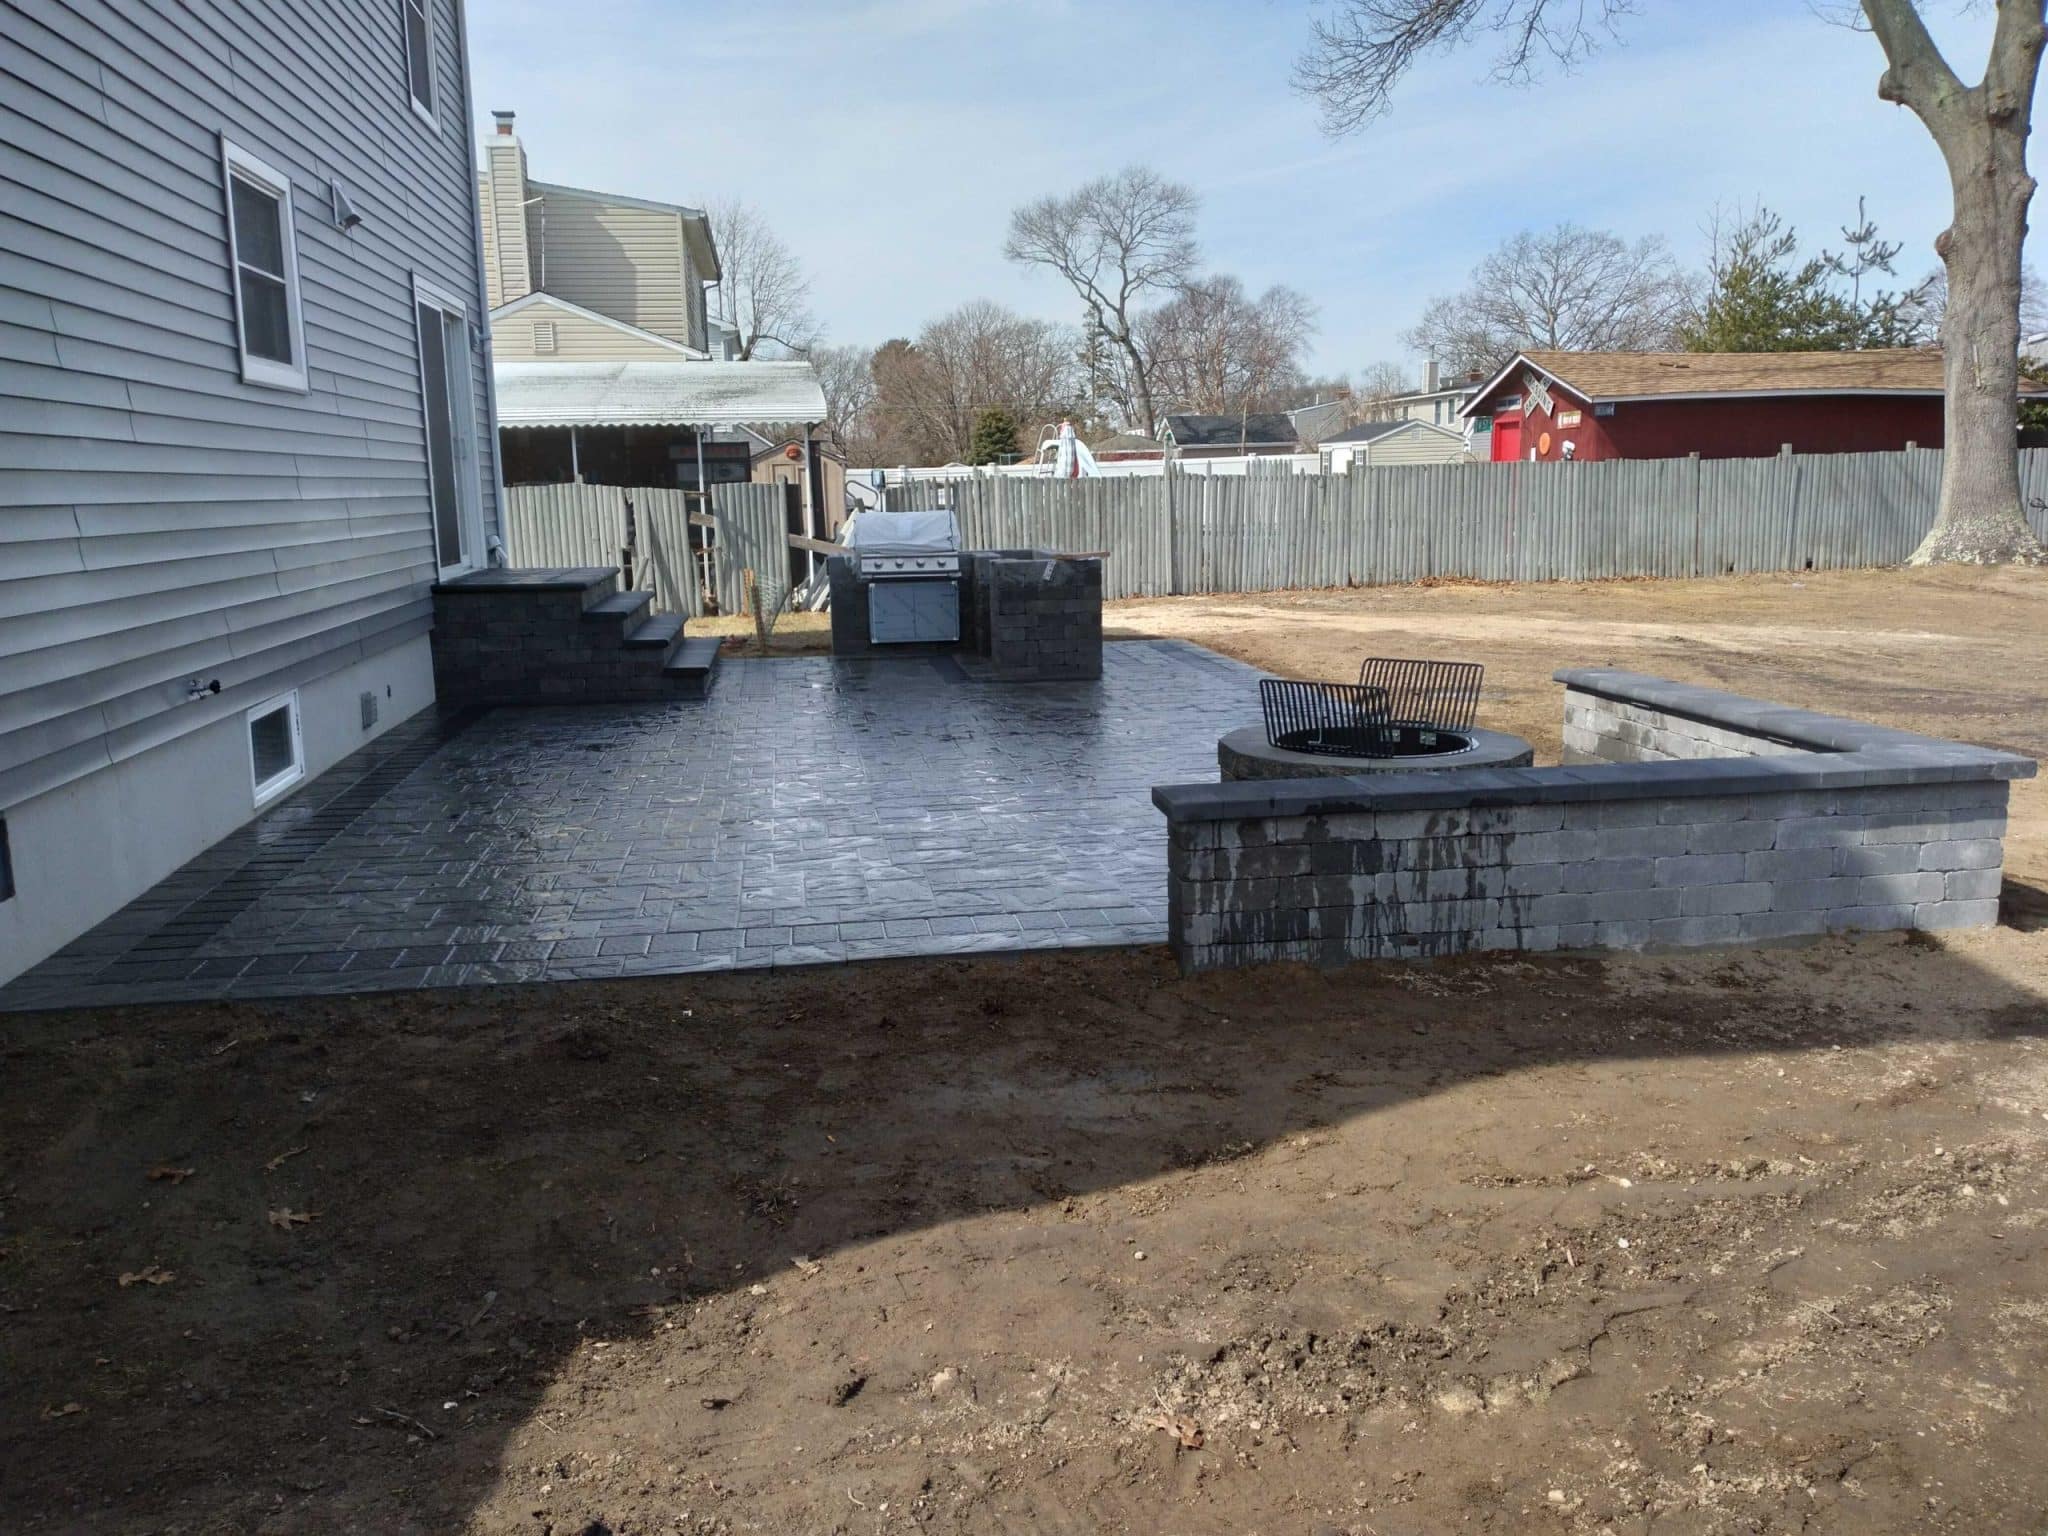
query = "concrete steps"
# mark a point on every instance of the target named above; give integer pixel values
(561, 635)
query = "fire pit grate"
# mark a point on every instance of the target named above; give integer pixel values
(1397, 708)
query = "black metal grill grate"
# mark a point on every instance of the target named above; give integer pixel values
(1397, 708)
(1444, 694)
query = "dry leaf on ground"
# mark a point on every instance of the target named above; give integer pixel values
(165, 1173)
(64, 1412)
(149, 1274)
(278, 1161)
(1178, 1425)
(284, 1219)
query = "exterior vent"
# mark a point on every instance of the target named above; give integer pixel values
(543, 335)
(369, 703)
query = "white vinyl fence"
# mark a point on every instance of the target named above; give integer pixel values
(1488, 522)
(647, 528)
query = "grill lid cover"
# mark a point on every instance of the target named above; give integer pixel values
(905, 533)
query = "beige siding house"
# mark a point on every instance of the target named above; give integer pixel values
(641, 264)
(542, 327)
(1374, 444)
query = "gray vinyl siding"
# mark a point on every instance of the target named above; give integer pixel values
(159, 519)
(617, 259)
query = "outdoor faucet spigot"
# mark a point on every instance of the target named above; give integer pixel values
(196, 690)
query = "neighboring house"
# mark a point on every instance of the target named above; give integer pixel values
(622, 272)
(1392, 442)
(1439, 401)
(1719, 405)
(1313, 423)
(1215, 437)
(245, 425)
(581, 278)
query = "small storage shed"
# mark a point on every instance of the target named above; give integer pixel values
(1720, 405)
(1391, 442)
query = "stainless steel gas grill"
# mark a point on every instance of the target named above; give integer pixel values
(909, 564)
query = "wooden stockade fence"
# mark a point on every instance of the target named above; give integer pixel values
(649, 527)
(1181, 533)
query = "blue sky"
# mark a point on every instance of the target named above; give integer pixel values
(888, 140)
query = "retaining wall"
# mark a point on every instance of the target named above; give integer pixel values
(1692, 817)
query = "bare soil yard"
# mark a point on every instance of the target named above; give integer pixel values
(1717, 1242)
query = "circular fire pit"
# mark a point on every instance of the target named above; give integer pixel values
(1246, 754)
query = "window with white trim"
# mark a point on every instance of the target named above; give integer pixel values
(418, 20)
(264, 261)
(277, 758)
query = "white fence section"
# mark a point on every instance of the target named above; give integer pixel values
(647, 529)
(1489, 522)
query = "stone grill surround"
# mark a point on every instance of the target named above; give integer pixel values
(1687, 817)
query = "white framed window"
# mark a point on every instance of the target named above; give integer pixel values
(277, 756)
(264, 266)
(417, 17)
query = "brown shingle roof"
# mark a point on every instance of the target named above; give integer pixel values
(1633, 375)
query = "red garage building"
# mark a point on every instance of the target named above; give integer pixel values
(1719, 405)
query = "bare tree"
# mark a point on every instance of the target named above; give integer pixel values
(1215, 348)
(1117, 241)
(847, 378)
(1566, 289)
(979, 357)
(1379, 384)
(762, 290)
(1358, 55)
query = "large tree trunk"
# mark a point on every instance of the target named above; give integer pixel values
(1981, 519)
(1981, 131)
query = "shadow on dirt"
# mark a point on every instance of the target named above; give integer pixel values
(306, 1266)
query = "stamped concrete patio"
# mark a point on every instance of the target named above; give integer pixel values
(809, 811)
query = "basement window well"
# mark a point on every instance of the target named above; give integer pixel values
(277, 759)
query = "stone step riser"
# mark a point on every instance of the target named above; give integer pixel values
(566, 641)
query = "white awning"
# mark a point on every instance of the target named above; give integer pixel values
(658, 394)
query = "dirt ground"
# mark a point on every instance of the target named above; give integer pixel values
(1728, 1242)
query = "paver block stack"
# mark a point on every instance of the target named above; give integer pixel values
(561, 635)
(1704, 818)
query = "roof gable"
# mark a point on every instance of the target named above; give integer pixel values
(1601, 376)
(540, 299)
(1373, 431)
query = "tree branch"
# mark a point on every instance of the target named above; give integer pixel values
(1917, 76)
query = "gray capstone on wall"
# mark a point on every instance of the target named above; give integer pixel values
(1710, 819)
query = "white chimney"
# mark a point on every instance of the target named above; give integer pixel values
(1429, 367)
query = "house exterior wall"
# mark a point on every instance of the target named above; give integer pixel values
(620, 260)
(1410, 447)
(160, 519)
(578, 339)
(1740, 427)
